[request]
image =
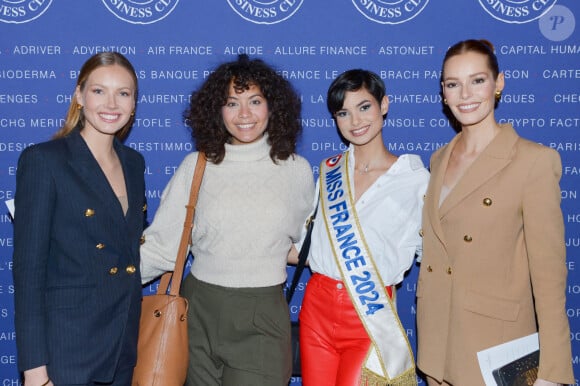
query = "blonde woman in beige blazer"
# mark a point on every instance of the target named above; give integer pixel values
(493, 266)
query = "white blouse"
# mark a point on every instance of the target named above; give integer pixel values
(390, 216)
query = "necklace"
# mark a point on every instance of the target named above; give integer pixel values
(365, 169)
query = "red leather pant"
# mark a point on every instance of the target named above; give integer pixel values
(333, 341)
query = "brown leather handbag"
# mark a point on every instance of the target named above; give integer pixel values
(162, 349)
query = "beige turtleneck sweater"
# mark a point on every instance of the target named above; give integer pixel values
(249, 212)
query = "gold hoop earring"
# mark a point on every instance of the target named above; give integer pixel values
(498, 95)
(445, 101)
(79, 107)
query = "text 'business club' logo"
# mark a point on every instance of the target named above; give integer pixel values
(22, 11)
(265, 11)
(517, 11)
(140, 11)
(390, 11)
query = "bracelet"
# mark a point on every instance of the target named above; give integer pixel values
(46, 383)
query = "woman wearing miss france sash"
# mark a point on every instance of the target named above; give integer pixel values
(364, 240)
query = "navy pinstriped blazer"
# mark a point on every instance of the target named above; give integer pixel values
(76, 261)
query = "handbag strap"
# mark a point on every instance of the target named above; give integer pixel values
(182, 252)
(302, 255)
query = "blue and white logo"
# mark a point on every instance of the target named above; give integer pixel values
(558, 24)
(22, 11)
(390, 11)
(517, 11)
(141, 11)
(265, 11)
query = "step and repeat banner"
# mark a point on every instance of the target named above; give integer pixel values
(174, 44)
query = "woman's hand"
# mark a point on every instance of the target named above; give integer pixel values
(292, 255)
(37, 377)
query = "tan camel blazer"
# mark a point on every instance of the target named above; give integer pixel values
(495, 244)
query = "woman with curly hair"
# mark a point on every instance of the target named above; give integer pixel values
(254, 196)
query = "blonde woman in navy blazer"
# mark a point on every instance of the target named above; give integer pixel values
(78, 221)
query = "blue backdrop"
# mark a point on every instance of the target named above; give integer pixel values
(174, 44)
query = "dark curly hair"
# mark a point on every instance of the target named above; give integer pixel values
(204, 115)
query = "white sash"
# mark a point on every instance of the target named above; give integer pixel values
(390, 359)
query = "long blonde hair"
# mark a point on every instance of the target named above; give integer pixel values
(75, 115)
